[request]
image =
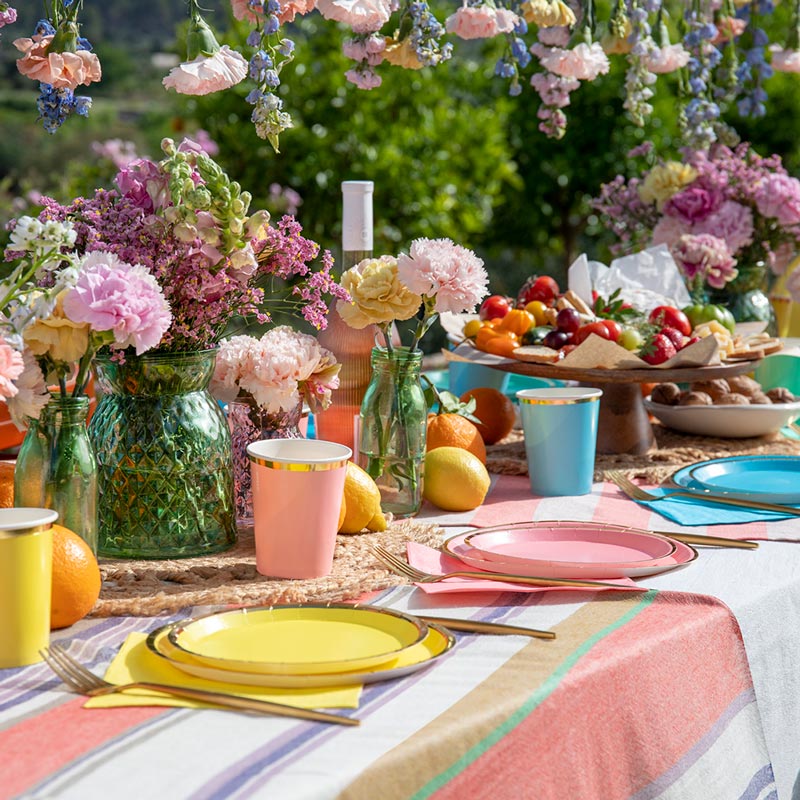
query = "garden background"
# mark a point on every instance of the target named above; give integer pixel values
(451, 154)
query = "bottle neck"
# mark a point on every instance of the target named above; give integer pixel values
(409, 361)
(352, 257)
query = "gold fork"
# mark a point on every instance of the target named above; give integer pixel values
(82, 681)
(400, 567)
(637, 493)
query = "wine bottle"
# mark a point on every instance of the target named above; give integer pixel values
(352, 348)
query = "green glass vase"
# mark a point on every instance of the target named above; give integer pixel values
(164, 458)
(393, 424)
(746, 296)
(56, 467)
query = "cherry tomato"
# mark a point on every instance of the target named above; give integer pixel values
(671, 317)
(675, 336)
(543, 288)
(613, 327)
(494, 306)
(585, 331)
(537, 308)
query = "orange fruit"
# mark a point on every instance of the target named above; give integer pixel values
(495, 412)
(453, 430)
(6, 484)
(76, 578)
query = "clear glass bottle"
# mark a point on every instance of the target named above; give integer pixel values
(56, 467)
(352, 348)
(394, 417)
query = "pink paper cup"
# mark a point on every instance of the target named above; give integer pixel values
(297, 496)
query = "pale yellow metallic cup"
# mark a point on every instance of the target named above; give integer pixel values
(26, 562)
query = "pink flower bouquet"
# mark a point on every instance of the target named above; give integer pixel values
(724, 214)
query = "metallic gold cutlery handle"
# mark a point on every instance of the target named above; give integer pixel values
(528, 581)
(230, 701)
(736, 501)
(479, 626)
(712, 541)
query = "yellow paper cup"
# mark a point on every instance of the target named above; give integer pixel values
(26, 559)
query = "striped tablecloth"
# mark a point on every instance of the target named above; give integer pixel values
(687, 691)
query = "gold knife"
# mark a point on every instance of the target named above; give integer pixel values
(702, 494)
(478, 626)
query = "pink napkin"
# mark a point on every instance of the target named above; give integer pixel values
(431, 560)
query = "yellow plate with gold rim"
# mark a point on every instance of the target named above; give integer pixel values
(436, 644)
(297, 639)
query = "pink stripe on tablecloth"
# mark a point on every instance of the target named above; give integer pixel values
(679, 667)
(510, 499)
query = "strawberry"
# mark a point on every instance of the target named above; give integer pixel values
(657, 349)
(675, 336)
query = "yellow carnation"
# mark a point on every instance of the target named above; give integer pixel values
(665, 180)
(377, 294)
(548, 13)
(57, 337)
(401, 54)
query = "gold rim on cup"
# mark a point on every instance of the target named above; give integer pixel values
(340, 455)
(558, 397)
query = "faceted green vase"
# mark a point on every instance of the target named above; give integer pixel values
(164, 458)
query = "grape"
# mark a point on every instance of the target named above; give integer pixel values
(568, 320)
(556, 339)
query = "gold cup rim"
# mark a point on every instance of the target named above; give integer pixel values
(552, 396)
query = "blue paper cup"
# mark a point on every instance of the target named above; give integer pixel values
(780, 369)
(560, 426)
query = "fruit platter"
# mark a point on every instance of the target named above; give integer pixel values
(549, 334)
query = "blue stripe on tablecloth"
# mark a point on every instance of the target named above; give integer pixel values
(762, 780)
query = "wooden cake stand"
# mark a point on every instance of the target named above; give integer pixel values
(624, 425)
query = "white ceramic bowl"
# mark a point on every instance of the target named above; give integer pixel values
(727, 422)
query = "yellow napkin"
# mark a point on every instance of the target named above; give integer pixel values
(135, 662)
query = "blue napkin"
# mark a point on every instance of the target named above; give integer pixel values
(686, 511)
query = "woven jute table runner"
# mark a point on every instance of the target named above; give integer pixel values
(673, 451)
(147, 588)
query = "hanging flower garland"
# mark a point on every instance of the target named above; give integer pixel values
(718, 49)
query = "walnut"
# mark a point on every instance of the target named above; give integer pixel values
(733, 399)
(744, 384)
(714, 389)
(780, 394)
(665, 393)
(760, 399)
(694, 399)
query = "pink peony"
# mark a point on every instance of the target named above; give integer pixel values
(439, 268)
(480, 22)
(732, 222)
(8, 17)
(778, 196)
(60, 70)
(705, 257)
(554, 37)
(584, 61)
(785, 60)
(363, 16)
(11, 367)
(111, 295)
(207, 74)
(665, 59)
(365, 78)
(693, 204)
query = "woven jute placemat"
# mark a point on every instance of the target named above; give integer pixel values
(673, 451)
(147, 588)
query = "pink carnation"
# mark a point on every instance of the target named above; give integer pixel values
(705, 257)
(11, 366)
(290, 8)
(480, 22)
(785, 60)
(668, 230)
(31, 392)
(778, 196)
(693, 204)
(365, 78)
(144, 184)
(207, 74)
(111, 295)
(363, 16)
(61, 70)
(732, 222)
(584, 61)
(442, 269)
(728, 28)
(8, 17)
(557, 36)
(243, 10)
(369, 49)
(665, 59)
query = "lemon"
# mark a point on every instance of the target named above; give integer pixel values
(455, 479)
(362, 500)
(377, 523)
